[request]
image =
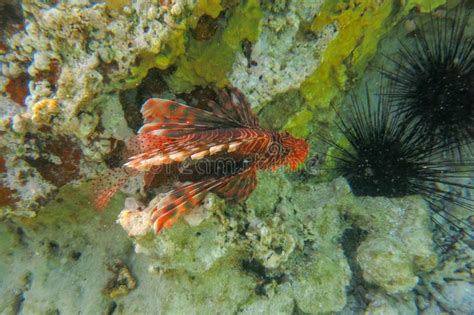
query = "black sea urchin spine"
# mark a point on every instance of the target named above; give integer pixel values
(433, 79)
(385, 156)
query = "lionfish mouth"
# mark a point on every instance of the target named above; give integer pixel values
(298, 152)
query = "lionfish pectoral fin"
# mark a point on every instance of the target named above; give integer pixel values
(167, 219)
(238, 187)
(150, 176)
(180, 201)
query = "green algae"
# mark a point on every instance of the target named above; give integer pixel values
(386, 263)
(352, 47)
(361, 25)
(270, 115)
(209, 62)
(265, 197)
(200, 63)
(174, 45)
(302, 118)
(206, 7)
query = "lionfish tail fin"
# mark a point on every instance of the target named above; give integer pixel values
(107, 184)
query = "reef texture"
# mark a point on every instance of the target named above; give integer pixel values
(73, 77)
(278, 252)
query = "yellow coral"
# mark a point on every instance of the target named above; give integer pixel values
(117, 4)
(122, 283)
(43, 110)
(360, 24)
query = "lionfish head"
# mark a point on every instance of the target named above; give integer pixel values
(297, 150)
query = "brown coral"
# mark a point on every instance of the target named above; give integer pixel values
(6, 194)
(66, 169)
(18, 89)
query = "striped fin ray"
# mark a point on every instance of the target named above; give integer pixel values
(233, 188)
(239, 187)
(172, 119)
(179, 201)
(236, 108)
(199, 145)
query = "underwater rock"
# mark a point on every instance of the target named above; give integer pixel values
(384, 262)
(122, 282)
(319, 286)
(282, 57)
(265, 198)
(295, 233)
(202, 257)
(69, 62)
(209, 62)
(58, 260)
(278, 299)
(399, 243)
(381, 304)
(191, 248)
(449, 286)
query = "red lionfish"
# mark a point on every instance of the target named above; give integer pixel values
(175, 134)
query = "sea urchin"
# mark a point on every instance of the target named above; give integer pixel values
(434, 79)
(383, 156)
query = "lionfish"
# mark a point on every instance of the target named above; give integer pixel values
(227, 137)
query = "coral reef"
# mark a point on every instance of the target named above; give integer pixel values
(449, 287)
(209, 61)
(292, 232)
(277, 258)
(75, 57)
(282, 57)
(73, 77)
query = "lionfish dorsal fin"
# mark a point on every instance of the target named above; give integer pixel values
(235, 107)
(172, 119)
